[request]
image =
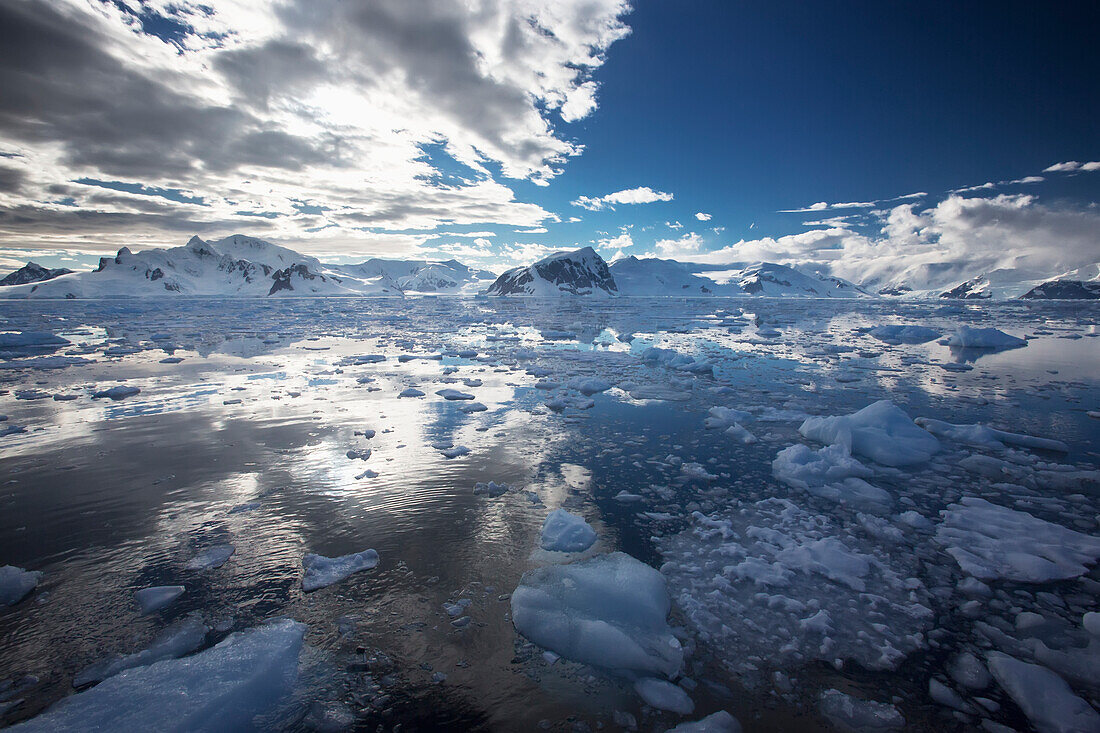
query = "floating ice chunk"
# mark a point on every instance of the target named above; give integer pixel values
(17, 583)
(360, 455)
(967, 670)
(411, 392)
(222, 688)
(492, 488)
(157, 597)
(674, 360)
(983, 435)
(983, 338)
(588, 386)
(992, 542)
(830, 473)
(852, 714)
(1044, 697)
(565, 532)
(577, 402)
(697, 472)
(182, 637)
(171, 360)
(740, 434)
(119, 392)
(724, 417)
(664, 696)
(881, 431)
(905, 334)
(30, 339)
(470, 407)
(323, 571)
(453, 394)
(947, 697)
(720, 722)
(627, 497)
(45, 362)
(609, 611)
(212, 557)
(454, 451)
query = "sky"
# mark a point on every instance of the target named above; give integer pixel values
(922, 143)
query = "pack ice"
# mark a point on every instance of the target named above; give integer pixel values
(993, 542)
(609, 611)
(220, 689)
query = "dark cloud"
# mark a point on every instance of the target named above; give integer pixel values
(11, 179)
(59, 83)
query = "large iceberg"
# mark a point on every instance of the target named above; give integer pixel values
(610, 611)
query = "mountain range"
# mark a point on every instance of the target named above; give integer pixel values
(248, 267)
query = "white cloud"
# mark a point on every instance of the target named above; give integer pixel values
(702, 216)
(1072, 166)
(640, 195)
(684, 247)
(328, 117)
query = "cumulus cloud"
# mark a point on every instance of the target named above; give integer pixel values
(702, 216)
(640, 195)
(302, 120)
(958, 238)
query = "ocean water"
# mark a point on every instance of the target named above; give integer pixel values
(245, 441)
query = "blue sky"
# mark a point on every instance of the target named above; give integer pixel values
(412, 128)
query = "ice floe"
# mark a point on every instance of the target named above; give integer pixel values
(994, 542)
(222, 688)
(966, 337)
(565, 532)
(157, 597)
(182, 637)
(17, 583)
(881, 431)
(609, 611)
(323, 571)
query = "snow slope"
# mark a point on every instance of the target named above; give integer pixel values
(775, 280)
(664, 277)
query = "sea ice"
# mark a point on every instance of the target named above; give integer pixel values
(720, 722)
(983, 338)
(17, 583)
(411, 392)
(565, 532)
(220, 689)
(610, 611)
(492, 488)
(993, 542)
(30, 339)
(664, 696)
(118, 392)
(859, 716)
(982, 435)
(831, 473)
(157, 597)
(881, 431)
(211, 557)
(1044, 697)
(454, 394)
(323, 571)
(904, 334)
(180, 638)
(771, 585)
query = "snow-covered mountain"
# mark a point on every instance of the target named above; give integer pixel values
(653, 276)
(580, 272)
(32, 273)
(1080, 284)
(782, 281)
(248, 267)
(421, 276)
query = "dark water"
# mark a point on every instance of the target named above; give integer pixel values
(108, 497)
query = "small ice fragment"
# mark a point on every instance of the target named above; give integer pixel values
(720, 722)
(157, 597)
(565, 532)
(118, 392)
(411, 392)
(17, 583)
(212, 557)
(454, 394)
(852, 714)
(323, 571)
(664, 695)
